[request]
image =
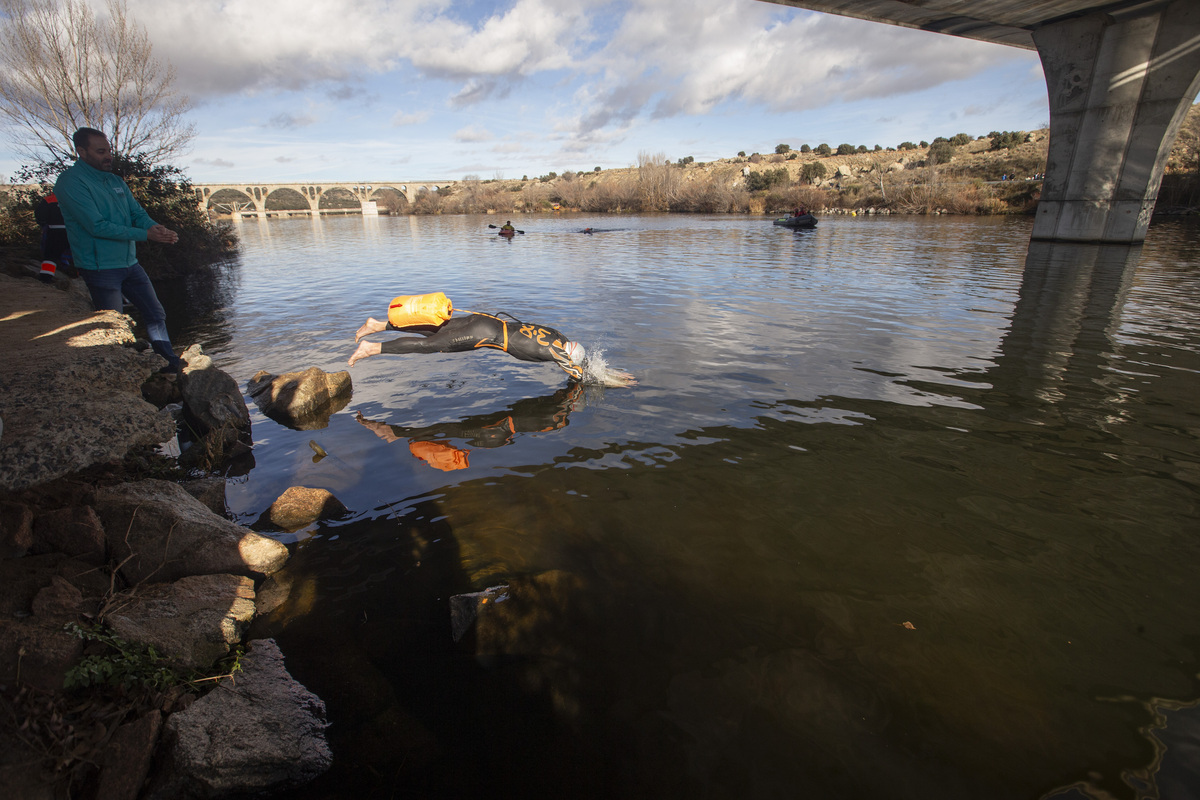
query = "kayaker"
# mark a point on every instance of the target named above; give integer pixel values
(507, 227)
(521, 340)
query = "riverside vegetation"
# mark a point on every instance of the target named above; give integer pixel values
(994, 174)
(163, 190)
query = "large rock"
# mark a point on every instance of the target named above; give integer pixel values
(301, 400)
(16, 529)
(193, 621)
(75, 530)
(34, 606)
(210, 492)
(264, 733)
(214, 407)
(300, 505)
(158, 531)
(125, 760)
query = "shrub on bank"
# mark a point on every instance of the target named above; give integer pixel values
(166, 194)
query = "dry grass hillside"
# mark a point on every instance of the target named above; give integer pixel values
(975, 177)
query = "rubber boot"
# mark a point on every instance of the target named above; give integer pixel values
(163, 348)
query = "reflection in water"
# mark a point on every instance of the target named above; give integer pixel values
(1064, 324)
(918, 554)
(434, 444)
(197, 305)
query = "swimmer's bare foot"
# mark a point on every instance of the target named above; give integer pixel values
(365, 350)
(372, 325)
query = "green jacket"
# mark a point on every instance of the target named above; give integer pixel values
(104, 222)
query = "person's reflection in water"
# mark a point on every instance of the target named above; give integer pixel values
(436, 444)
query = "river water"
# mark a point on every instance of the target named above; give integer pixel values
(899, 508)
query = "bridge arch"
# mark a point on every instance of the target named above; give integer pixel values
(337, 197)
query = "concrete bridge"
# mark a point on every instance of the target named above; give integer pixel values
(309, 197)
(1120, 75)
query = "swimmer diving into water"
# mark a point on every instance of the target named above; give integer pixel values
(521, 340)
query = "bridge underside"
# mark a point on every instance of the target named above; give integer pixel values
(1120, 77)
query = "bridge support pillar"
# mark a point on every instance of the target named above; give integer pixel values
(1120, 87)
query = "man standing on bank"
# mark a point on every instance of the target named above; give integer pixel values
(104, 224)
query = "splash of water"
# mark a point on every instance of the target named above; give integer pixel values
(597, 372)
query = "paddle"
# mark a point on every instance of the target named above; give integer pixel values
(518, 230)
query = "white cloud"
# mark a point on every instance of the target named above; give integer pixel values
(224, 46)
(219, 163)
(666, 57)
(673, 58)
(473, 133)
(286, 121)
(401, 118)
(549, 80)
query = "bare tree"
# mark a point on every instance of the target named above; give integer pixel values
(658, 181)
(61, 68)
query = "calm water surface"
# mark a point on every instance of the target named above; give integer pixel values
(899, 508)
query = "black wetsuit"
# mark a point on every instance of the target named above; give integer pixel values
(522, 340)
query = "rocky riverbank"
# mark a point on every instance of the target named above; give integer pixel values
(125, 581)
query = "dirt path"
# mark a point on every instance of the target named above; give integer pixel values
(70, 388)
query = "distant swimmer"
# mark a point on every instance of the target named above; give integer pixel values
(587, 231)
(470, 332)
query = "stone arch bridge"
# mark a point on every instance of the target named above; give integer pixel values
(310, 197)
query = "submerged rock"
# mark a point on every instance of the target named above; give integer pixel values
(301, 400)
(464, 608)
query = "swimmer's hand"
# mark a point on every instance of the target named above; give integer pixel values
(616, 377)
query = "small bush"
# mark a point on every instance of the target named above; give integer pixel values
(1007, 140)
(941, 152)
(813, 171)
(759, 181)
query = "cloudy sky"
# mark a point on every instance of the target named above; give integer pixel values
(427, 89)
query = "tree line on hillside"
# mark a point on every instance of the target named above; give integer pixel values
(930, 181)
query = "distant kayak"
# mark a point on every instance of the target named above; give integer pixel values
(506, 234)
(802, 221)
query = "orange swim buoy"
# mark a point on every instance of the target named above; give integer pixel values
(439, 455)
(419, 309)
